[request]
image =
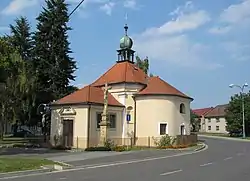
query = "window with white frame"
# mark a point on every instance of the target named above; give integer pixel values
(163, 128)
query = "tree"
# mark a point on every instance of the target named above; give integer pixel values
(234, 114)
(21, 40)
(54, 66)
(15, 78)
(195, 121)
(143, 64)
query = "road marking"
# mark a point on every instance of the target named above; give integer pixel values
(62, 178)
(239, 154)
(169, 173)
(228, 158)
(125, 162)
(206, 164)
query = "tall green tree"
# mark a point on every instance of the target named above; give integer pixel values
(234, 114)
(143, 64)
(15, 80)
(195, 121)
(20, 38)
(55, 68)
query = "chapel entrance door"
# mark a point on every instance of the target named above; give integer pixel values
(68, 133)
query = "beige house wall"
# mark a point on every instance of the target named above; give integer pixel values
(80, 125)
(213, 122)
(80, 128)
(113, 133)
(124, 94)
(151, 111)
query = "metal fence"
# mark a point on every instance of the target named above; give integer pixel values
(149, 141)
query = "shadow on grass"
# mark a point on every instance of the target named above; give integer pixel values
(28, 146)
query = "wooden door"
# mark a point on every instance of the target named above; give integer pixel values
(68, 133)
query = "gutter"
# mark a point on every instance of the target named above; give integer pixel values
(134, 120)
(88, 127)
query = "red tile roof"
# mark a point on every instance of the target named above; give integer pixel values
(158, 86)
(88, 94)
(122, 72)
(218, 111)
(202, 112)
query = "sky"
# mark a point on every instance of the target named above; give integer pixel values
(199, 46)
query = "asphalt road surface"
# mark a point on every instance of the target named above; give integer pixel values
(224, 160)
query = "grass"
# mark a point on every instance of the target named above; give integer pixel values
(10, 164)
(214, 134)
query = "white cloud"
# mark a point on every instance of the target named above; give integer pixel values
(182, 23)
(233, 17)
(15, 7)
(108, 7)
(164, 44)
(130, 4)
(236, 13)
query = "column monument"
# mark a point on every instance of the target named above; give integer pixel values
(104, 122)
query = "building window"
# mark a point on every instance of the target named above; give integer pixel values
(111, 118)
(217, 120)
(163, 128)
(217, 128)
(182, 108)
(209, 120)
(209, 128)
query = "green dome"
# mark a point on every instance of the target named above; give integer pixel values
(126, 42)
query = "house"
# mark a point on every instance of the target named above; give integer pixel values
(201, 117)
(139, 107)
(215, 120)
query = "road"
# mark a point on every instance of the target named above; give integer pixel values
(224, 160)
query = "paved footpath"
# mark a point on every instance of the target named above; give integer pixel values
(224, 160)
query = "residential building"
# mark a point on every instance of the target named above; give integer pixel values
(201, 117)
(215, 120)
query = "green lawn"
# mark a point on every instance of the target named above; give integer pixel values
(10, 164)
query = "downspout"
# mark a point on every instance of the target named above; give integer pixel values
(88, 127)
(134, 120)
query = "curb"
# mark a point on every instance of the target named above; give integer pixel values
(44, 169)
(204, 146)
(26, 172)
(225, 138)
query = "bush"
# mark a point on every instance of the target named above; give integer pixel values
(109, 144)
(165, 141)
(120, 148)
(61, 147)
(98, 148)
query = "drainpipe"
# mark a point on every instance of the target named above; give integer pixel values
(134, 120)
(88, 128)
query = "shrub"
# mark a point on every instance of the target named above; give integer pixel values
(165, 141)
(61, 147)
(120, 148)
(109, 144)
(98, 148)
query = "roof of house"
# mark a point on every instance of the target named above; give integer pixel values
(203, 111)
(218, 111)
(157, 86)
(122, 72)
(88, 94)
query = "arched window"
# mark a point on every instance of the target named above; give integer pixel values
(182, 108)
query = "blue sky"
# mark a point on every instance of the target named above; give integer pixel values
(198, 46)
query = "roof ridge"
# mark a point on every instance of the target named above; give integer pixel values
(103, 74)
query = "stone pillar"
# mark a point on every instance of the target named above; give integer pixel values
(104, 122)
